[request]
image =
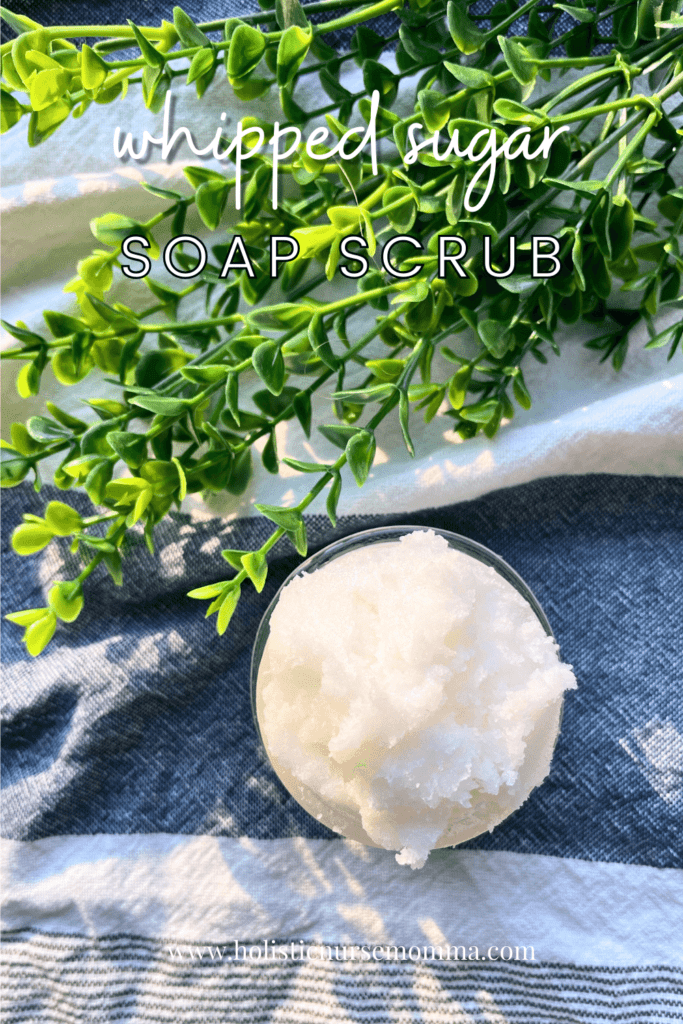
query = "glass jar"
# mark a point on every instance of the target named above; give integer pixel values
(541, 741)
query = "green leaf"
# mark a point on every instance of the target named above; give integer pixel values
(307, 467)
(203, 64)
(209, 373)
(232, 396)
(480, 412)
(621, 225)
(269, 454)
(293, 47)
(161, 405)
(97, 544)
(286, 518)
(112, 560)
(206, 593)
(241, 473)
(290, 12)
(62, 326)
(626, 26)
(303, 410)
(517, 284)
(93, 69)
(600, 223)
(80, 467)
(96, 480)
(367, 44)
(27, 617)
(374, 393)
(10, 73)
(113, 228)
(107, 408)
(314, 240)
(67, 370)
(234, 558)
(332, 87)
(22, 441)
(378, 77)
(495, 336)
(299, 539)
(458, 385)
(519, 389)
(28, 339)
(491, 428)
(275, 405)
(47, 86)
(402, 217)
(471, 78)
(227, 608)
(31, 537)
(269, 364)
(360, 453)
(247, 46)
(132, 448)
(94, 441)
(248, 89)
(333, 499)
(403, 416)
(39, 634)
(256, 567)
(581, 14)
(43, 123)
(72, 423)
(151, 56)
(43, 429)
(66, 600)
(519, 60)
(338, 433)
(284, 315)
(198, 175)
(518, 113)
(63, 520)
(387, 370)
(19, 22)
(436, 109)
(161, 476)
(317, 335)
(161, 193)
(211, 198)
(12, 110)
(577, 260)
(587, 188)
(188, 33)
(13, 471)
(28, 381)
(464, 33)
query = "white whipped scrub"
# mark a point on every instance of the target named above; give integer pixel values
(408, 696)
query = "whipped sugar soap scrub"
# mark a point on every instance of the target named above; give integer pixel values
(408, 695)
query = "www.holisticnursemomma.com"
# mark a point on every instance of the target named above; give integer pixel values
(269, 951)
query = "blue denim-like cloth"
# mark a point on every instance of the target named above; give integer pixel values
(137, 718)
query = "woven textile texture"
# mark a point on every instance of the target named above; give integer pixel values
(140, 720)
(148, 982)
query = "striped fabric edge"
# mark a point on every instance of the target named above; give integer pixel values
(214, 889)
(63, 979)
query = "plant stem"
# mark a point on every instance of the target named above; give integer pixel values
(373, 11)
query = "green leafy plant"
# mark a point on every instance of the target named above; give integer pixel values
(183, 377)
